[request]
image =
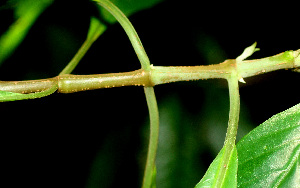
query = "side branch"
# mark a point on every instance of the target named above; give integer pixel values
(130, 31)
(229, 144)
(150, 169)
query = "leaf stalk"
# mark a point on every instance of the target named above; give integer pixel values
(230, 138)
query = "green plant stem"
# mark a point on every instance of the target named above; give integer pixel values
(245, 69)
(157, 75)
(75, 83)
(29, 86)
(149, 91)
(92, 36)
(153, 139)
(286, 60)
(234, 111)
(162, 75)
(78, 56)
(130, 31)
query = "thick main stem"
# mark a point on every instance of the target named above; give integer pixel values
(75, 83)
(162, 75)
(157, 75)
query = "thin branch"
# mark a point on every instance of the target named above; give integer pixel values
(153, 139)
(229, 143)
(95, 30)
(130, 31)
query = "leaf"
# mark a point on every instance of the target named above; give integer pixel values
(25, 7)
(6, 96)
(210, 177)
(26, 12)
(269, 155)
(128, 7)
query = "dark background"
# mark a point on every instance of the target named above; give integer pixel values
(99, 138)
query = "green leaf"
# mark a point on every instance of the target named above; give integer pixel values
(269, 155)
(6, 96)
(128, 7)
(26, 12)
(210, 177)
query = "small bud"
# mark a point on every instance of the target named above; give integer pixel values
(247, 52)
(242, 80)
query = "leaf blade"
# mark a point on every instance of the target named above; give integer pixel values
(269, 155)
(210, 177)
(26, 13)
(6, 96)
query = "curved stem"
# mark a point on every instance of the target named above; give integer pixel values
(153, 139)
(130, 31)
(149, 91)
